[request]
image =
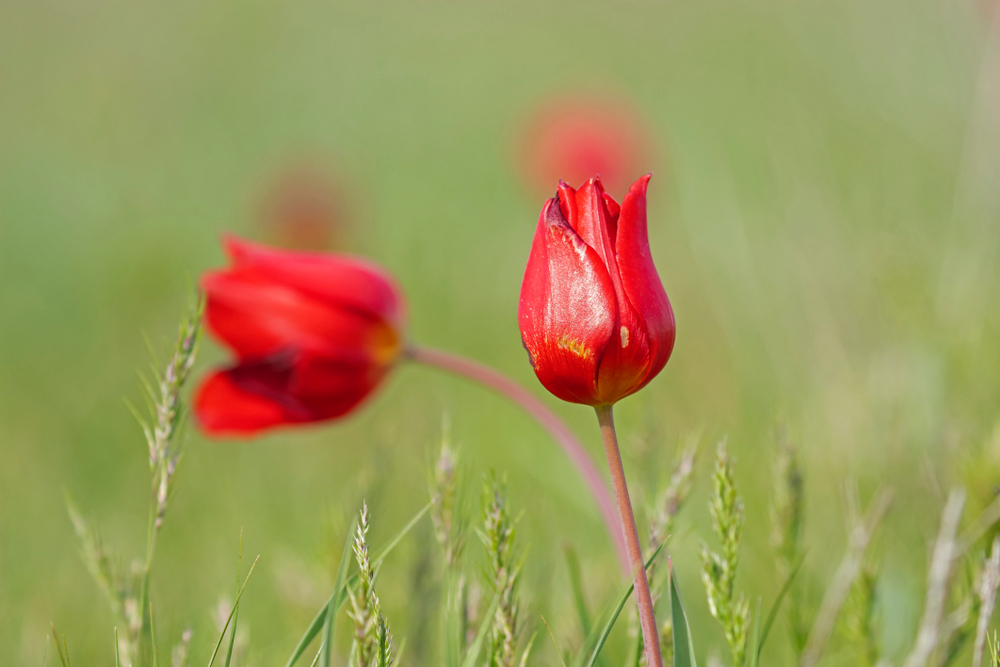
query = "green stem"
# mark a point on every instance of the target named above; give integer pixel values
(647, 617)
(147, 566)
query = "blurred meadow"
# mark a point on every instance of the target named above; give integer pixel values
(824, 214)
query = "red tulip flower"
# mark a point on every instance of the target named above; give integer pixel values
(594, 317)
(313, 335)
(598, 327)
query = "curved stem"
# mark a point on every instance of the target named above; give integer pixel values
(546, 418)
(647, 618)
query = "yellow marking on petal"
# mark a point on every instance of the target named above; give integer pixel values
(624, 337)
(574, 346)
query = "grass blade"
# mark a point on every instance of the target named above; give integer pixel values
(338, 596)
(232, 637)
(755, 647)
(63, 657)
(562, 656)
(222, 634)
(236, 616)
(473, 655)
(773, 614)
(326, 650)
(683, 647)
(387, 549)
(118, 661)
(606, 630)
(318, 654)
(576, 583)
(152, 635)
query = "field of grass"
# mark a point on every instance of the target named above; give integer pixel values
(825, 216)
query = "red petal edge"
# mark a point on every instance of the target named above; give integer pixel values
(567, 308)
(641, 280)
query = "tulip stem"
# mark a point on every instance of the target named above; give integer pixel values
(546, 418)
(647, 617)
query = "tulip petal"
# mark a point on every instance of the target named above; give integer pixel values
(641, 281)
(625, 359)
(567, 308)
(251, 397)
(258, 317)
(594, 223)
(338, 280)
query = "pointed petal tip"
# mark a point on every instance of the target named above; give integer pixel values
(639, 187)
(552, 212)
(236, 247)
(565, 189)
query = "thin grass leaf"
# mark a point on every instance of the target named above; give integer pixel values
(559, 650)
(387, 549)
(326, 649)
(232, 636)
(576, 584)
(527, 649)
(477, 645)
(118, 661)
(236, 616)
(773, 614)
(222, 634)
(318, 653)
(683, 646)
(152, 635)
(63, 659)
(755, 647)
(610, 624)
(455, 621)
(338, 596)
(399, 652)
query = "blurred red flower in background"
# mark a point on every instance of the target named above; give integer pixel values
(313, 334)
(305, 208)
(594, 316)
(574, 137)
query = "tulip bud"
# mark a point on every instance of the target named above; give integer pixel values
(313, 334)
(594, 317)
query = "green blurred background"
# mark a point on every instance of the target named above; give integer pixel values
(825, 216)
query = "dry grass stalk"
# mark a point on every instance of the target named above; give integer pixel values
(989, 581)
(858, 540)
(859, 620)
(504, 571)
(946, 550)
(128, 590)
(446, 514)
(719, 570)
(663, 515)
(787, 510)
(372, 639)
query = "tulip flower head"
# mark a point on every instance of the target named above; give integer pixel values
(594, 316)
(313, 334)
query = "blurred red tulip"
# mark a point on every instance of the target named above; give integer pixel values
(573, 138)
(594, 316)
(306, 209)
(313, 334)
